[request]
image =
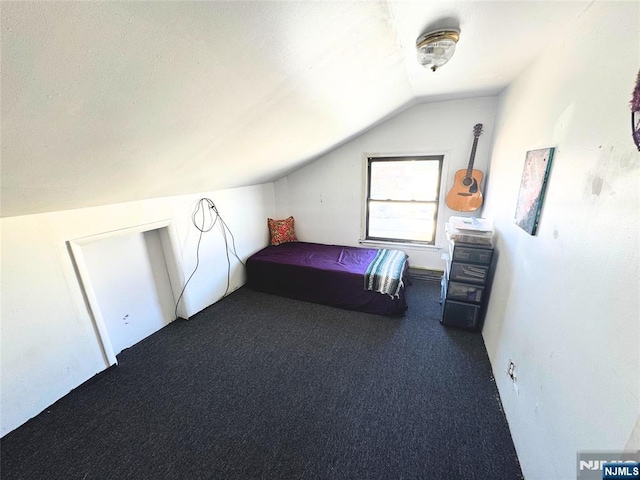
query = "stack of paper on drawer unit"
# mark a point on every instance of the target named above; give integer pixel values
(473, 230)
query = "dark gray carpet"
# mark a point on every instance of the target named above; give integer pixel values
(262, 387)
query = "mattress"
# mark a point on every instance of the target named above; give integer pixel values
(327, 274)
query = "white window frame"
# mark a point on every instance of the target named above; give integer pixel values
(443, 157)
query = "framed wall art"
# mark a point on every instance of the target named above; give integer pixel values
(535, 174)
(635, 113)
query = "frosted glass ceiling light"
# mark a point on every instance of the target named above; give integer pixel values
(436, 48)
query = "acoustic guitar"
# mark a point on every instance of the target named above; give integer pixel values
(465, 194)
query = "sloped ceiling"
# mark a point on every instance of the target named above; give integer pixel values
(106, 102)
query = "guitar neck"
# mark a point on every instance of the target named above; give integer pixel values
(473, 156)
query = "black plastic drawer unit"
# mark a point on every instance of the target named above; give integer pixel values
(462, 315)
(466, 272)
(466, 284)
(472, 255)
(465, 293)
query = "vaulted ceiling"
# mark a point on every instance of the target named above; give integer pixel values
(106, 102)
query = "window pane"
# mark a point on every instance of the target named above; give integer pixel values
(402, 221)
(404, 180)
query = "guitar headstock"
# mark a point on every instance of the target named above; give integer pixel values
(477, 130)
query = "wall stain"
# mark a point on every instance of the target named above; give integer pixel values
(596, 185)
(612, 166)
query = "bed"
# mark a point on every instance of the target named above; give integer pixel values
(331, 275)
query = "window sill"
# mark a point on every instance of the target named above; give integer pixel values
(414, 246)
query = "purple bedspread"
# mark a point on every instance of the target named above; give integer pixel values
(328, 274)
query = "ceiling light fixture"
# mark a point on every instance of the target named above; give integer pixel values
(436, 48)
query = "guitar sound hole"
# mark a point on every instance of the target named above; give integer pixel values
(466, 181)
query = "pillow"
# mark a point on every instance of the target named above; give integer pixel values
(281, 231)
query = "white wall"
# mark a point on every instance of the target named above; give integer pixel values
(128, 273)
(49, 344)
(565, 303)
(326, 196)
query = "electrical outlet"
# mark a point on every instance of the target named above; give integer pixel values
(511, 371)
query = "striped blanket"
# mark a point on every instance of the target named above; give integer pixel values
(384, 273)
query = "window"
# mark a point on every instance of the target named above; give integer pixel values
(402, 198)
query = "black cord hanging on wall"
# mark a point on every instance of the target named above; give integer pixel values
(210, 216)
(635, 113)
